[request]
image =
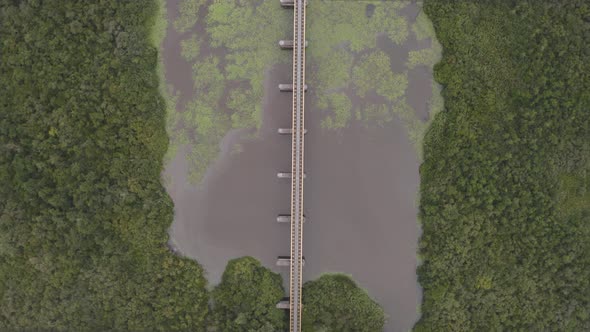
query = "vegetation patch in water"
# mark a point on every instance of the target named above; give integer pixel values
(341, 107)
(190, 48)
(228, 79)
(189, 11)
(343, 57)
(334, 302)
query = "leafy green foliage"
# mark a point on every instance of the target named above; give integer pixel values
(334, 302)
(373, 72)
(505, 214)
(246, 298)
(228, 77)
(423, 28)
(333, 24)
(342, 38)
(189, 11)
(341, 106)
(83, 215)
(190, 48)
(250, 33)
(426, 57)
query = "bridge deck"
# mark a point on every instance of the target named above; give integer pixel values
(297, 170)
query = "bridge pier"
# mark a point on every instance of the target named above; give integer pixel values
(286, 175)
(286, 261)
(290, 3)
(289, 87)
(288, 44)
(284, 304)
(288, 131)
(285, 218)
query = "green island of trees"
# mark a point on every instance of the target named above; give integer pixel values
(83, 214)
(245, 299)
(334, 302)
(505, 202)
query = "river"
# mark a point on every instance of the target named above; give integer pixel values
(361, 191)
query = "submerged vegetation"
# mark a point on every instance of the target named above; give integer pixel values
(504, 202)
(344, 55)
(228, 75)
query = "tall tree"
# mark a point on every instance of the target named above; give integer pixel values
(246, 298)
(334, 302)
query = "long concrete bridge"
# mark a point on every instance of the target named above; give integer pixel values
(297, 175)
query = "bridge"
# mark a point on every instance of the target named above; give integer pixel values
(297, 175)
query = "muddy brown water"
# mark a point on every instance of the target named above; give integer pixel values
(360, 195)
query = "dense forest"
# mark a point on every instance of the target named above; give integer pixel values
(83, 214)
(505, 201)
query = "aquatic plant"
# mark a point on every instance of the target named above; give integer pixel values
(189, 11)
(343, 57)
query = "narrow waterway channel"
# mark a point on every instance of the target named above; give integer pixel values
(360, 191)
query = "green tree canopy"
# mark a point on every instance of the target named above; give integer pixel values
(334, 303)
(504, 199)
(246, 298)
(83, 215)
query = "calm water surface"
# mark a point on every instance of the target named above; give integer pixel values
(360, 194)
